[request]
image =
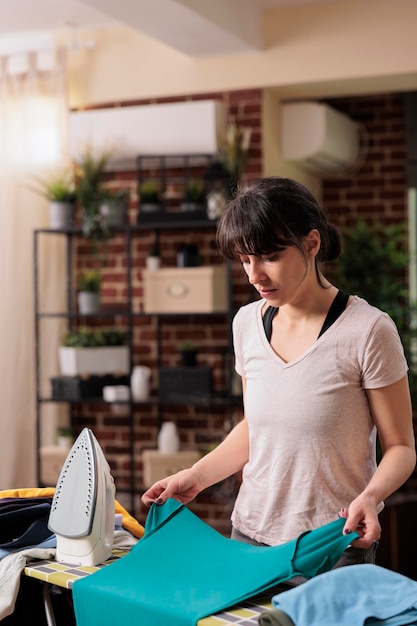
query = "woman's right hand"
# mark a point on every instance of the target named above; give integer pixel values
(183, 486)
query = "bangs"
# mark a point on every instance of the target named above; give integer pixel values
(242, 233)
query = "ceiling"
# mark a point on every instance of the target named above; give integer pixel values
(195, 27)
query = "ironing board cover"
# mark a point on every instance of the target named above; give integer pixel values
(183, 570)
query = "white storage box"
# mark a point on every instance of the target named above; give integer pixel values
(185, 290)
(157, 465)
(100, 360)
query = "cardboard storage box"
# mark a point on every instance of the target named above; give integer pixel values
(157, 465)
(52, 460)
(185, 290)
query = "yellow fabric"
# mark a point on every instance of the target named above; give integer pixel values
(128, 522)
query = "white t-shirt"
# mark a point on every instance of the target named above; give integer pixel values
(311, 434)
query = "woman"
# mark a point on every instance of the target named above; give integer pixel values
(323, 372)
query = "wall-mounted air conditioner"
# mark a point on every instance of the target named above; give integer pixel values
(319, 137)
(158, 129)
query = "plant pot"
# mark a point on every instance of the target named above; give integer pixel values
(88, 302)
(101, 360)
(114, 213)
(64, 442)
(153, 263)
(189, 358)
(61, 215)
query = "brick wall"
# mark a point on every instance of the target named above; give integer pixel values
(376, 191)
(198, 427)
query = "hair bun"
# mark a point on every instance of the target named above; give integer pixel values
(332, 246)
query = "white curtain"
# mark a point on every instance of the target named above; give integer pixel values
(33, 139)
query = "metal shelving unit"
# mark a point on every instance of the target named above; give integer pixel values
(72, 318)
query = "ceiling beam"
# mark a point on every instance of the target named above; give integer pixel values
(194, 27)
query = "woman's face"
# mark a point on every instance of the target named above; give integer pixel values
(282, 277)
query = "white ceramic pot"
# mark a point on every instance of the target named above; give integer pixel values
(140, 383)
(168, 439)
(153, 263)
(88, 302)
(61, 215)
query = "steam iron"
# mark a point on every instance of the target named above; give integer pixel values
(82, 512)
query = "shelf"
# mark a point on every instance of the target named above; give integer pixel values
(161, 224)
(173, 172)
(213, 401)
(76, 314)
(110, 314)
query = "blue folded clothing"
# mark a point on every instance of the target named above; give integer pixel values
(182, 570)
(358, 594)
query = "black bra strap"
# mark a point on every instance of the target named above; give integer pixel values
(267, 320)
(337, 307)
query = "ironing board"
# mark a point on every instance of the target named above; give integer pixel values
(50, 572)
(183, 570)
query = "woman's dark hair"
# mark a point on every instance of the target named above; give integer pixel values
(273, 213)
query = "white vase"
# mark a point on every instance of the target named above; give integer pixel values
(140, 383)
(168, 439)
(153, 263)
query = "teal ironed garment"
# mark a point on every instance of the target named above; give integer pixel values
(183, 570)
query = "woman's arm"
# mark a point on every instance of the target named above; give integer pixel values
(392, 415)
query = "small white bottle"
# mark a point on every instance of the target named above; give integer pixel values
(168, 439)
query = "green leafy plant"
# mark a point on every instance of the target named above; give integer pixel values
(121, 195)
(91, 338)
(233, 151)
(149, 192)
(194, 191)
(64, 431)
(89, 174)
(188, 345)
(58, 187)
(90, 192)
(374, 265)
(89, 280)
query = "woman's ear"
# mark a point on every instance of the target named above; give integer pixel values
(312, 242)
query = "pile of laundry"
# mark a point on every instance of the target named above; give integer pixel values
(25, 536)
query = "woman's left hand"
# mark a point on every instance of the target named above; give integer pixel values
(362, 517)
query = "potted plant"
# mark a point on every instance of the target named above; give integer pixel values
(89, 285)
(114, 207)
(59, 190)
(150, 196)
(233, 152)
(153, 260)
(188, 350)
(64, 437)
(194, 195)
(92, 351)
(90, 192)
